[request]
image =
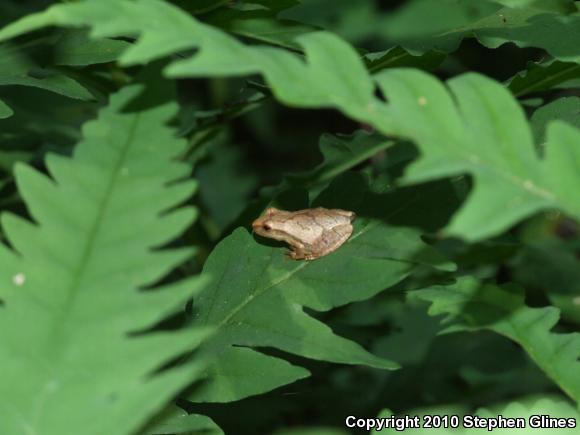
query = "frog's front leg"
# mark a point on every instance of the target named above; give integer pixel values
(297, 252)
(300, 254)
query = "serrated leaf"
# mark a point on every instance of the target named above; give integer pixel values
(398, 57)
(448, 22)
(552, 266)
(554, 33)
(472, 136)
(541, 77)
(334, 77)
(420, 19)
(260, 297)
(470, 306)
(18, 68)
(240, 372)
(339, 154)
(480, 129)
(74, 354)
(76, 48)
(562, 166)
(563, 109)
(174, 420)
(260, 25)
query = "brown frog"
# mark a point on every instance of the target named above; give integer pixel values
(311, 233)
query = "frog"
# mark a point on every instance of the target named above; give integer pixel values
(311, 233)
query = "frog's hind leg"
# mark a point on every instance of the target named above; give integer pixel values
(334, 240)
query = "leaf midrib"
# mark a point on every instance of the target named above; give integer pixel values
(73, 289)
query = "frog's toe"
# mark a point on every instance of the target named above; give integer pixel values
(293, 255)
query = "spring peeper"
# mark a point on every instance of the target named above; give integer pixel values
(311, 233)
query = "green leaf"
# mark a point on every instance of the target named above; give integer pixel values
(540, 77)
(29, 63)
(552, 266)
(522, 409)
(77, 48)
(484, 134)
(563, 109)
(17, 67)
(472, 307)
(334, 77)
(554, 33)
(249, 307)
(354, 21)
(563, 6)
(480, 129)
(239, 372)
(201, 6)
(5, 110)
(277, 5)
(74, 352)
(174, 420)
(398, 57)
(413, 332)
(562, 166)
(420, 19)
(423, 25)
(339, 154)
(9, 158)
(260, 296)
(259, 25)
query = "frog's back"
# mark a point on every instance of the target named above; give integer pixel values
(327, 218)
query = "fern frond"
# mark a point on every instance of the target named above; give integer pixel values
(72, 349)
(476, 127)
(472, 307)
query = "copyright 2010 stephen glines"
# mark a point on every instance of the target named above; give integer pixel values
(401, 423)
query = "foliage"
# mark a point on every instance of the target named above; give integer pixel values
(503, 311)
(71, 282)
(451, 129)
(535, 407)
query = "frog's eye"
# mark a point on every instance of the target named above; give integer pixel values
(267, 227)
